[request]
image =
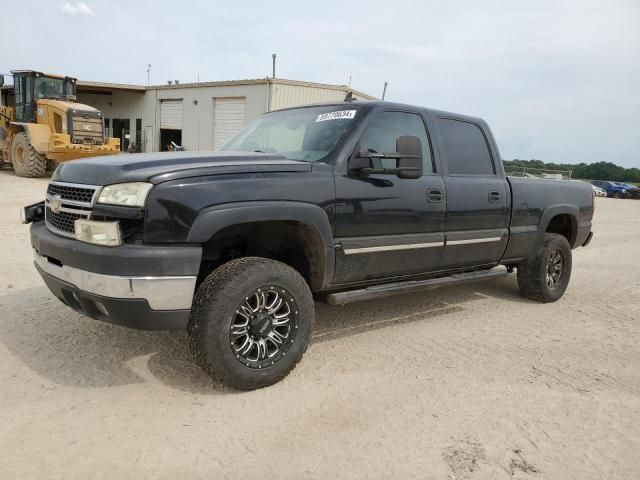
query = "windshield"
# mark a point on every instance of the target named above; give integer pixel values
(56, 88)
(309, 134)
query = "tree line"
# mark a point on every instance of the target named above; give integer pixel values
(591, 171)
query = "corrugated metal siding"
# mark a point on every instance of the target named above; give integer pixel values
(284, 96)
(171, 114)
(198, 111)
(229, 116)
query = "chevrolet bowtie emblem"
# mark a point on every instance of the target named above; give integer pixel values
(55, 203)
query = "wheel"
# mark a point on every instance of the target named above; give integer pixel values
(617, 195)
(545, 276)
(251, 322)
(26, 161)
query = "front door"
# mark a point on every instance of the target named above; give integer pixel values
(388, 226)
(25, 108)
(478, 200)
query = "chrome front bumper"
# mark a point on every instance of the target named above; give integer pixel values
(161, 292)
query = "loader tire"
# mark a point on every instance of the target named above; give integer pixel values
(26, 161)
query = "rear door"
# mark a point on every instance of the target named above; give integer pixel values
(478, 198)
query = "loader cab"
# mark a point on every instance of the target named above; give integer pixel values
(30, 86)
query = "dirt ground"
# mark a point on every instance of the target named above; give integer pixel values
(469, 382)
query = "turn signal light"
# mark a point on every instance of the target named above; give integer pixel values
(98, 233)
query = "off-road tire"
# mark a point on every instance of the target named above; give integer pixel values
(215, 304)
(26, 161)
(532, 274)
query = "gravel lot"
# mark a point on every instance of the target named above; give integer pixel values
(467, 382)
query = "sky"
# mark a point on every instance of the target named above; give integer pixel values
(557, 80)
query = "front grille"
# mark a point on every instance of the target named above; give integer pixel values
(87, 128)
(65, 203)
(78, 194)
(63, 221)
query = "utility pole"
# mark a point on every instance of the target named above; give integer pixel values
(384, 90)
(273, 58)
(148, 74)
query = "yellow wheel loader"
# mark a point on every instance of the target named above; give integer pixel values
(44, 123)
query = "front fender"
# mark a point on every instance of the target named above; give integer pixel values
(213, 219)
(37, 134)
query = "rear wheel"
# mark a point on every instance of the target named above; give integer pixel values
(251, 322)
(26, 161)
(618, 195)
(545, 276)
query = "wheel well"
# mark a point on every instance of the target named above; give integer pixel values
(565, 225)
(294, 243)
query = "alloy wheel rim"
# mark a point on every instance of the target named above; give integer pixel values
(263, 327)
(555, 267)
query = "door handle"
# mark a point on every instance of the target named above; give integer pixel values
(435, 195)
(494, 197)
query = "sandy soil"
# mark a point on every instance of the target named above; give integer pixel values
(467, 383)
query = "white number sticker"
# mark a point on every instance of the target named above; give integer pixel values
(41, 111)
(336, 115)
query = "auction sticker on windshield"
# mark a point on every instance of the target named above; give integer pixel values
(336, 115)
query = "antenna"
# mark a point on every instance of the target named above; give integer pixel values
(349, 79)
(148, 74)
(384, 90)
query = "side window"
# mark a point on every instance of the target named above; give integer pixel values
(466, 148)
(381, 134)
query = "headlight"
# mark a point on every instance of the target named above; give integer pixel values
(125, 194)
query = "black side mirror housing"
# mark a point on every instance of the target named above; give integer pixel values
(409, 150)
(408, 156)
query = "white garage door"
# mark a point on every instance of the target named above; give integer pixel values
(228, 119)
(171, 114)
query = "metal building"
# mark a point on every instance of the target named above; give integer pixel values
(197, 116)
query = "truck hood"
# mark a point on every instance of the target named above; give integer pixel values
(163, 166)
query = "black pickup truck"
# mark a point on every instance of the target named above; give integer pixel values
(338, 202)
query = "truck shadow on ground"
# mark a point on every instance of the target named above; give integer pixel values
(70, 349)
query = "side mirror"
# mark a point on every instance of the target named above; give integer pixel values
(409, 150)
(408, 156)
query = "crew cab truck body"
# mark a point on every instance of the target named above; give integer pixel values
(341, 202)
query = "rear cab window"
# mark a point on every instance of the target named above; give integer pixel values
(466, 148)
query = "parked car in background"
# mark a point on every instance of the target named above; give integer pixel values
(632, 190)
(599, 192)
(613, 189)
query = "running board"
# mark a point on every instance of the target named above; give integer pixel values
(388, 289)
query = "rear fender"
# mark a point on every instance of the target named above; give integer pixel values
(551, 212)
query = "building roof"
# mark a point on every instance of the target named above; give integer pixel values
(256, 81)
(101, 86)
(86, 86)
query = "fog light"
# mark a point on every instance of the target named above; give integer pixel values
(99, 233)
